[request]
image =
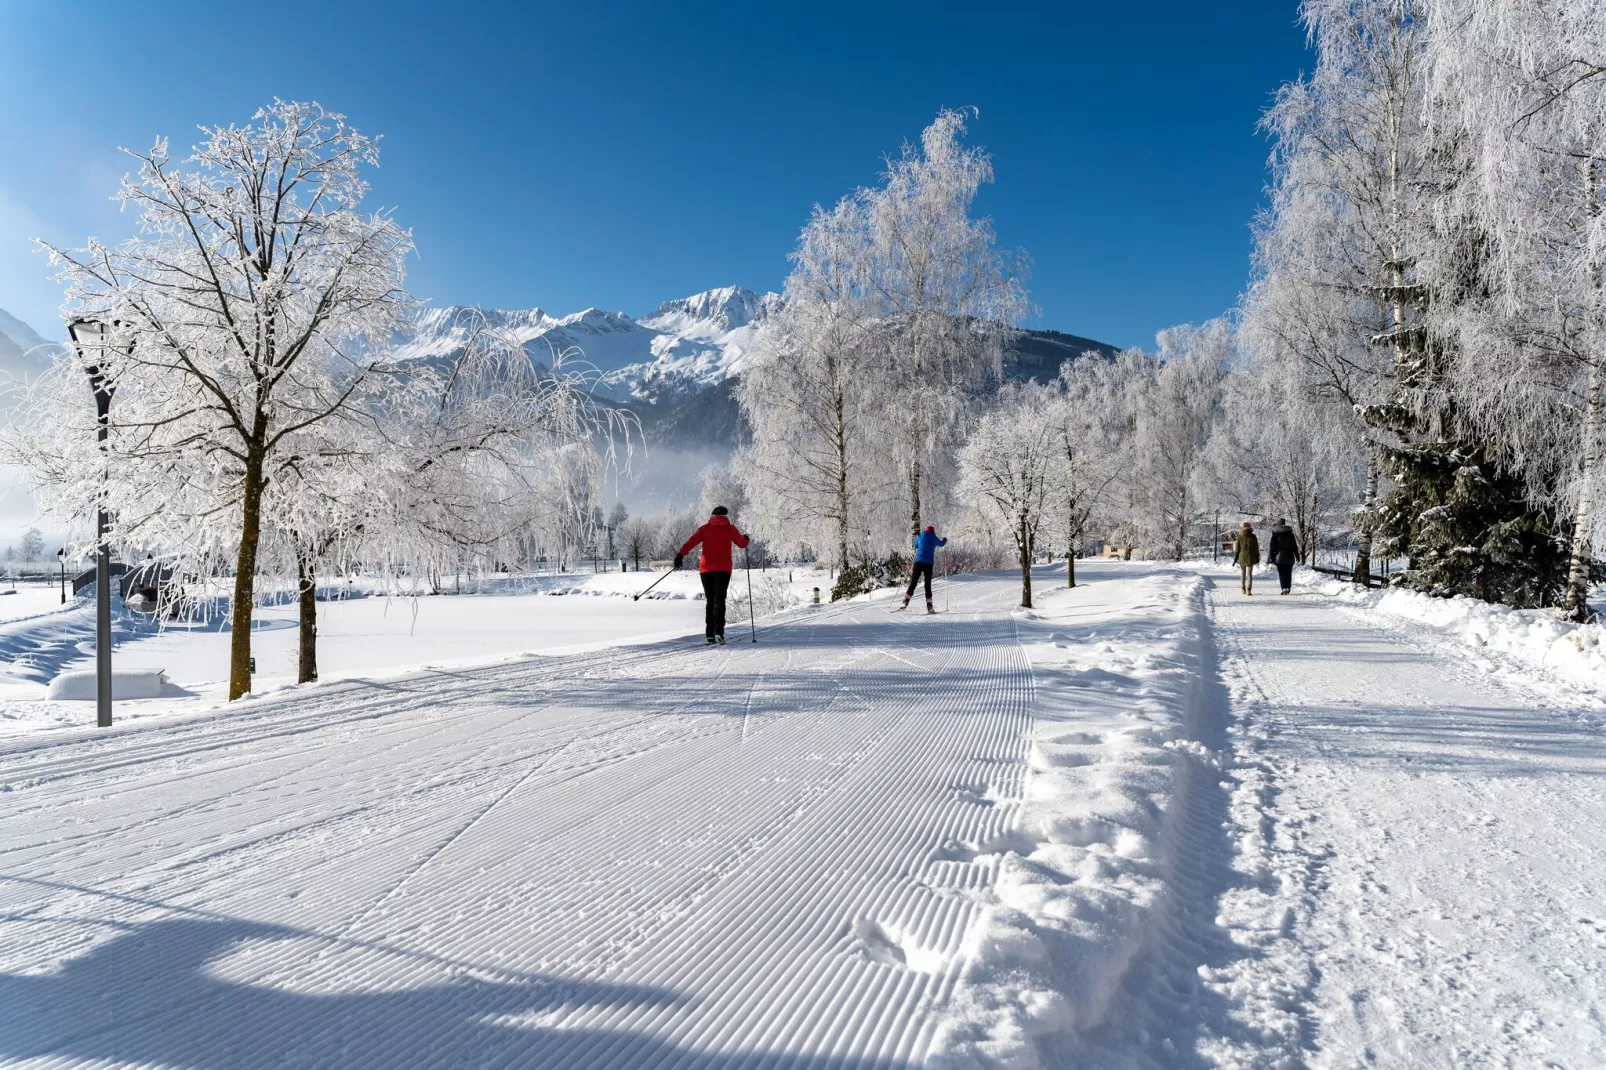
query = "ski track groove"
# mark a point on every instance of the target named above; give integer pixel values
(439, 834)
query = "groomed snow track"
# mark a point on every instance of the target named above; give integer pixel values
(654, 857)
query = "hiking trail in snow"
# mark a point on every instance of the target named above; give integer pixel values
(1422, 849)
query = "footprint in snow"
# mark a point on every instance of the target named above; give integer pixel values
(873, 942)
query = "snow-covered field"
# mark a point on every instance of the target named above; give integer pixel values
(369, 636)
(1149, 823)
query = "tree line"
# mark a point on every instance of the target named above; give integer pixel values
(1416, 371)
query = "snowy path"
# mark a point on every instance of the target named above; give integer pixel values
(1428, 847)
(660, 856)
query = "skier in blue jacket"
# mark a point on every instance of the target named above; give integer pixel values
(925, 547)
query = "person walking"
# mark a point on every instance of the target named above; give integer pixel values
(1246, 552)
(1283, 551)
(925, 546)
(714, 569)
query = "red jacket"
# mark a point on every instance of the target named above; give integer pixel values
(717, 537)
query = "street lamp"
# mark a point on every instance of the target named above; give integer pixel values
(90, 338)
(61, 558)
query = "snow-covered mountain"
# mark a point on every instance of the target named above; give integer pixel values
(684, 345)
(23, 354)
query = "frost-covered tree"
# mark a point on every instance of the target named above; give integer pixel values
(721, 487)
(33, 546)
(1173, 401)
(1373, 277)
(1275, 452)
(812, 396)
(1525, 83)
(1008, 469)
(242, 307)
(1086, 420)
(948, 295)
(1338, 251)
(636, 539)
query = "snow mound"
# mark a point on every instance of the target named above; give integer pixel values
(83, 684)
(1535, 638)
(1115, 668)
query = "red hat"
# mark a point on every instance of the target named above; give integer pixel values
(930, 528)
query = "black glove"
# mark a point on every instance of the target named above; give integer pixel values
(679, 560)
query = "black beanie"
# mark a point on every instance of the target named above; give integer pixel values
(720, 510)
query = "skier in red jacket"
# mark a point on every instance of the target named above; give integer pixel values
(717, 537)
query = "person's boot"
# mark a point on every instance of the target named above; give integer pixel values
(905, 602)
(720, 639)
(929, 607)
(711, 640)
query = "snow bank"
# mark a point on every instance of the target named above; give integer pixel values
(35, 649)
(1115, 671)
(126, 684)
(1537, 638)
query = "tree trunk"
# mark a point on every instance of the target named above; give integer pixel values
(1070, 566)
(1577, 603)
(245, 575)
(1023, 540)
(307, 595)
(1363, 544)
(841, 479)
(914, 501)
(1578, 564)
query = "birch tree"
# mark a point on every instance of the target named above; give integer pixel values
(243, 306)
(1338, 253)
(1278, 453)
(1008, 468)
(940, 283)
(814, 395)
(1088, 434)
(1526, 82)
(1174, 401)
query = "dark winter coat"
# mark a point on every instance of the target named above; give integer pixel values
(717, 537)
(925, 545)
(1284, 548)
(1247, 551)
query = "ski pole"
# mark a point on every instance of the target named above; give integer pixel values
(656, 582)
(945, 579)
(747, 566)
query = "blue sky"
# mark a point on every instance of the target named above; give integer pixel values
(620, 154)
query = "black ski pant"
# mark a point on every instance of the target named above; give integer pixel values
(922, 568)
(1285, 574)
(715, 584)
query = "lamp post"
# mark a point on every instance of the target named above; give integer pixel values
(61, 559)
(90, 338)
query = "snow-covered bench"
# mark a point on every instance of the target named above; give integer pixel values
(126, 683)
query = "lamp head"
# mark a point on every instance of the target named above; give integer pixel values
(87, 332)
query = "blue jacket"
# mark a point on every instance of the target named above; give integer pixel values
(925, 545)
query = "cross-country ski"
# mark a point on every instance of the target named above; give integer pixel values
(448, 619)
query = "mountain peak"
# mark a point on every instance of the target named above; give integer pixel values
(726, 308)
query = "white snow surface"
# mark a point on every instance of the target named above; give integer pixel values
(1499, 638)
(1147, 824)
(1419, 842)
(693, 341)
(869, 839)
